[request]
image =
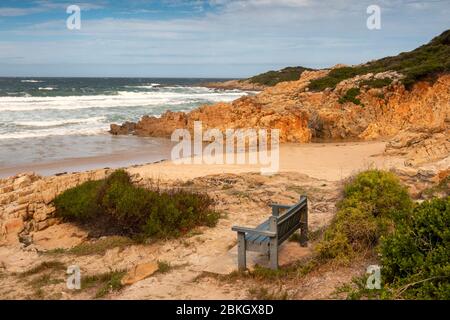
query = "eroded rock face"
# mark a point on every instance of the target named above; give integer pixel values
(301, 114)
(26, 203)
(423, 179)
(421, 145)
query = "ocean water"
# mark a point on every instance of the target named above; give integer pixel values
(49, 119)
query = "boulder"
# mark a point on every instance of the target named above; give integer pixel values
(125, 128)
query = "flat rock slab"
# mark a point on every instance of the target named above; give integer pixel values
(289, 252)
(58, 236)
(140, 272)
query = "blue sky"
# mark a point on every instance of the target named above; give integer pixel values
(206, 38)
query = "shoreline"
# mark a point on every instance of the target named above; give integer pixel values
(332, 161)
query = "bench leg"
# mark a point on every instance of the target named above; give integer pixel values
(304, 229)
(273, 254)
(242, 259)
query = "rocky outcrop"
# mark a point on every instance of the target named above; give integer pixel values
(301, 114)
(427, 180)
(26, 202)
(244, 85)
(421, 145)
(124, 129)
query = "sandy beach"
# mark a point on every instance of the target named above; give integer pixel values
(331, 161)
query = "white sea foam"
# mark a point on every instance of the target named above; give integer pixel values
(46, 88)
(31, 116)
(31, 81)
(55, 123)
(146, 86)
(54, 132)
(124, 99)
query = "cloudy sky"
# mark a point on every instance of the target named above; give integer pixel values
(206, 38)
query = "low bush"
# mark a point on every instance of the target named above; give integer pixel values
(272, 78)
(80, 202)
(115, 206)
(415, 260)
(372, 203)
(416, 257)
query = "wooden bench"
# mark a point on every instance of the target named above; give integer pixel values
(269, 235)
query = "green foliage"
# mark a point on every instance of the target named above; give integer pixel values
(334, 77)
(271, 78)
(79, 202)
(421, 63)
(116, 206)
(416, 257)
(377, 83)
(373, 201)
(351, 96)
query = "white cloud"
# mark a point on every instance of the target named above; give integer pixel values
(269, 33)
(16, 12)
(46, 5)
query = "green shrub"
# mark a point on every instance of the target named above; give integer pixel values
(80, 202)
(351, 96)
(373, 201)
(116, 206)
(416, 257)
(271, 78)
(377, 83)
(333, 78)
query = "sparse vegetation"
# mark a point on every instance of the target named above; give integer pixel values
(376, 83)
(44, 266)
(99, 246)
(114, 206)
(164, 266)
(351, 96)
(441, 189)
(422, 63)
(263, 293)
(105, 282)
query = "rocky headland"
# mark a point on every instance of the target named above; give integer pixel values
(382, 99)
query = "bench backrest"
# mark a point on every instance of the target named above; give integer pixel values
(291, 220)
